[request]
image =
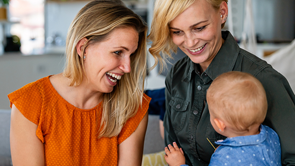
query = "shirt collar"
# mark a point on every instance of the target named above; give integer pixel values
(226, 57)
(245, 140)
(223, 62)
(188, 73)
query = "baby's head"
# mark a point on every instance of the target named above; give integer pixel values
(237, 103)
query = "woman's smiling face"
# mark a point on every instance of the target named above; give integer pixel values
(107, 61)
(197, 31)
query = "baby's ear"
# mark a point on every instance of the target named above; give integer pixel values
(220, 124)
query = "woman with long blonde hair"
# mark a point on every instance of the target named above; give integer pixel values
(95, 112)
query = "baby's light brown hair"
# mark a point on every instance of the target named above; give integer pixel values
(237, 98)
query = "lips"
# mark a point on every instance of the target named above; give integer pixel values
(113, 77)
(197, 50)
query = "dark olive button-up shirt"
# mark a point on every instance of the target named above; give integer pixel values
(187, 119)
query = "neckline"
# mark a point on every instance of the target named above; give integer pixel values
(52, 89)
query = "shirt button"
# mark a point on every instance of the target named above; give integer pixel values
(199, 87)
(195, 112)
(192, 137)
(199, 159)
(178, 106)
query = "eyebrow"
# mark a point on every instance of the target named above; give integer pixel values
(191, 25)
(123, 48)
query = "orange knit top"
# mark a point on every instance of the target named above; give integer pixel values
(69, 134)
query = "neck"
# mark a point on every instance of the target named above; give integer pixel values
(80, 96)
(206, 64)
(85, 98)
(252, 130)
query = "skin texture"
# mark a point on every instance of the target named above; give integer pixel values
(198, 26)
(26, 148)
(111, 55)
(131, 150)
(174, 155)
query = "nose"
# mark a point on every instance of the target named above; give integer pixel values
(190, 40)
(125, 65)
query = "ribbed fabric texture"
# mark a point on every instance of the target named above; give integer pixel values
(69, 134)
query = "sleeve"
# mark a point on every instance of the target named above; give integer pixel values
(169, 135)
(219, 157)
(28, 100)
(215, 160)
(281, 111)
(133, 122)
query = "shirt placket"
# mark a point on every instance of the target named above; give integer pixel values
(201, 84)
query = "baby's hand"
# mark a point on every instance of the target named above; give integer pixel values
(174, 155)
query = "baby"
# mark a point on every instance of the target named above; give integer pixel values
(237, 106)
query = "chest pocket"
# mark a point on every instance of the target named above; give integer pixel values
(179, 111)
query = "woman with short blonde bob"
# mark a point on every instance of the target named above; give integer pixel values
(95, 112)
(195, 27)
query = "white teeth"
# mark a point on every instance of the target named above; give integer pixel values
(113, 80)
(114, 76)
(198, 49)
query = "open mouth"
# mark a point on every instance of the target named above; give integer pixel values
(198, 49)
(113, 77)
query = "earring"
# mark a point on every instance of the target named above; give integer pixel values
(84, 57)
(221, 16)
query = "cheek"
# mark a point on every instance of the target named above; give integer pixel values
(207, 35)
(176, 40)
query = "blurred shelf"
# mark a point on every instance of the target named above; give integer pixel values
(8, 22)
(66, 1)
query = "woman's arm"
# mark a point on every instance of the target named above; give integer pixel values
(131, 150)
(26, 148)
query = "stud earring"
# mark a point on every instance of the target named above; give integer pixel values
(221, 16)
(84, 57)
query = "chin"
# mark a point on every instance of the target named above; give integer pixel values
(198, 60)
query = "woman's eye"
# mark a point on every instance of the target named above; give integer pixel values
(200, 28)
(176, 32)
(118, 52)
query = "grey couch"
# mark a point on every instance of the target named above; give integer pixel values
(5, 159)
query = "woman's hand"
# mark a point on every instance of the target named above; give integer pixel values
(174, 155)
(131, 150)
(26, 148)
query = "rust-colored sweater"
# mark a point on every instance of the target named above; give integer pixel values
(69, 134)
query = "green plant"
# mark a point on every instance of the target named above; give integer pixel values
(4, 2)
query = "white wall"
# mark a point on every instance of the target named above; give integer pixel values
(17, 71)
(58, 17)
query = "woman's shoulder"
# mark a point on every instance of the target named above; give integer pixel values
(252, 61)
(132, 123)
(180, 67)
(32, 89)
(182, 63)
(30, 98)
(146, 99)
